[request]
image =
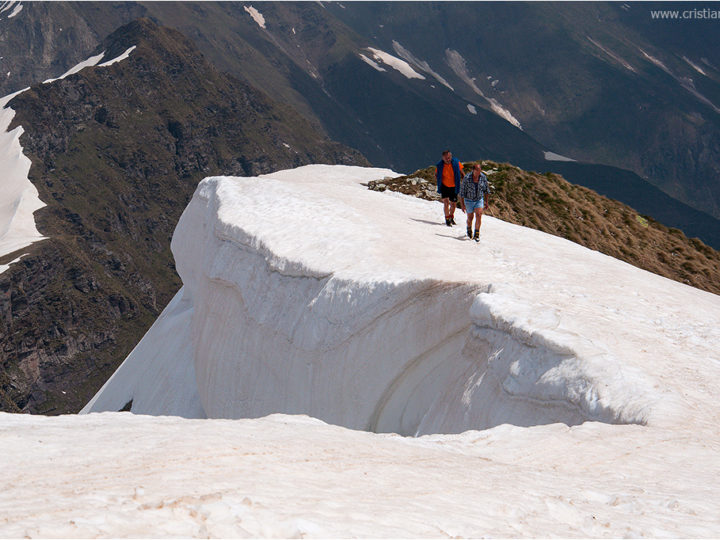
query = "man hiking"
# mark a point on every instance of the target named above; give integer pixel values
(475, 191)
(448, 173)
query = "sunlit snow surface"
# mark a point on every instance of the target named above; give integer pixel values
(121, 475)
(93, 61)
(364, 310)
(15, 6)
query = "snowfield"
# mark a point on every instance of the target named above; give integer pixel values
(550, 390)
(122, 475)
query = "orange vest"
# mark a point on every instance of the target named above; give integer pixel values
(448, 177)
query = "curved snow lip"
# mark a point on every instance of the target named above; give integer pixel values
(534, 359)
(516, 364)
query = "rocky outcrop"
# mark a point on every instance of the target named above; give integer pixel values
(117, 153)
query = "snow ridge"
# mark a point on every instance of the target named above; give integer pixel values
(336, 331)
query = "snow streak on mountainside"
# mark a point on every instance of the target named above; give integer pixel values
(459, 66)
(6, 6)
(359, 309)
(93, 61)
(395, 63)
(256, 16)
(18, 197)
(422, 64)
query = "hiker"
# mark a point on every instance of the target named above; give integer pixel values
(475, 192)
(448, 173)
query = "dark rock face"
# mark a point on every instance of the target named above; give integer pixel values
(117, 152)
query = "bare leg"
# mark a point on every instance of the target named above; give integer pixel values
(478, 212)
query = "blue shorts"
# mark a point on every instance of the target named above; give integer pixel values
(471, 205)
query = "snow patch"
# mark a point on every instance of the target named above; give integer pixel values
(458, 65)
(90, 62)
(7, 5)
(612, 55)
(120, 58)
(371, 62)
(694, 66)
(657, 62)
(4, 267)
(256, 16)
(552, 156)
(502, 112)
(19, 198)
(686, 82)
(472, 108)
(422, 64)
(396, 63)
(15, 11)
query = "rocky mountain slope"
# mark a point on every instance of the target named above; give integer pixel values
(586, 81)
(549, 203)
(117, 152)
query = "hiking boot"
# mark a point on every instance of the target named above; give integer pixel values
(469, 232)
(477, 235)
(452, 221)
(448, 222)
